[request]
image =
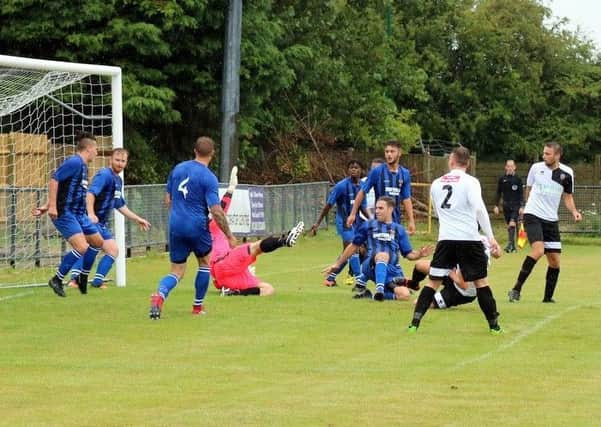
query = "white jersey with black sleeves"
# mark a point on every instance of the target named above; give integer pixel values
(547, 186)
(457, 198)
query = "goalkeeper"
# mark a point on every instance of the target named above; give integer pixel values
(229, 266)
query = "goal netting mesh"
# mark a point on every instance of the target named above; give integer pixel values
(40, 113)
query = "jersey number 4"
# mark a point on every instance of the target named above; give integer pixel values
(182, 187)
(445, 203)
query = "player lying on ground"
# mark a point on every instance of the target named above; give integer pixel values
(456, 290)
(229, 266)
(384, 239)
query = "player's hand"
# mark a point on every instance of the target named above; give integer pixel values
(39, 210)
(411, 228)
(496, 210)
(52, 213)
(313, 229)
(577, 215)
(144, 224)
(495, 248)
(425, 251)
(350, 220)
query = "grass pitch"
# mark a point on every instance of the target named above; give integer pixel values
(308, 356)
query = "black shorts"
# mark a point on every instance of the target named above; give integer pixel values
(540, 230)
(469, 255)
(450, 296)
(511, 212)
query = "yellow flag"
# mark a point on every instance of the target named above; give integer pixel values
(522, 236)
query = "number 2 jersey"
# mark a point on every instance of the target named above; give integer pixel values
(193, 189)
(457, 198)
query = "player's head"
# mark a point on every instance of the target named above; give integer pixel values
(510, 167)
(392, 152)
(552, 153)
(119, 158)
(354, 169)
(376, 162)
(86, 145)
(204, 147)
(459, 158)
(384, 209)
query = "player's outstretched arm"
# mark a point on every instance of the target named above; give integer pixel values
(423, 252)
(128, 213)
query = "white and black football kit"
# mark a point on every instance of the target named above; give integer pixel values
(457, 198)
(541, 212)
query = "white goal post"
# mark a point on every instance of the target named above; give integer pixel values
(23, 82)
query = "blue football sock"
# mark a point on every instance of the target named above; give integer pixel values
(104, 266)
(201, 284)
(76, 268)
(381, 268)
(355, 264)
(88, 259)
(166, 284)
(67, 262)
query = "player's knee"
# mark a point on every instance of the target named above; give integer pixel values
(110, 247)
(423, 266)
(382, 257)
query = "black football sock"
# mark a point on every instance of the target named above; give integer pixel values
(417, 276)
(488, 305)
(270, 244)
(551, 282)
(250, 291)
(511, 233)
(423, 303)
(525, 271)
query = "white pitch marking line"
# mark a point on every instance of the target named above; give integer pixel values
(21, 294)
(527, 332)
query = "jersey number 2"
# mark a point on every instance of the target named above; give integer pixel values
(445, 203)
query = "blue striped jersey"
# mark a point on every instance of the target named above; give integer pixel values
(386, 183)
(107, 187)
(381, 237)
(72, 177)
(343, 196)
(193, 189)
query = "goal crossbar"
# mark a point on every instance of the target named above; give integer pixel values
(114, 73)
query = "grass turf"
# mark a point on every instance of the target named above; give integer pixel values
(308, 356)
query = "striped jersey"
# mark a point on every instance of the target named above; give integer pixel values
(382, 237)
(72, 177)
(107, 188)
(343, 196)
(547, 187)
(395, 184)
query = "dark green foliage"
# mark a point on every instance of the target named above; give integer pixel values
(317, 74)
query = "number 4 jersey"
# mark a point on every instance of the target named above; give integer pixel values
(457, 198)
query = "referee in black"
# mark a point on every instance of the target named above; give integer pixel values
(511, 189)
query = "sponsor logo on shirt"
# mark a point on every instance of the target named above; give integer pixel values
(392, 191)
(450, 178)
(385, 237)
(514, 187)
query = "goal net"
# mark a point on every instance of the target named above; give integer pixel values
(43, 104)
